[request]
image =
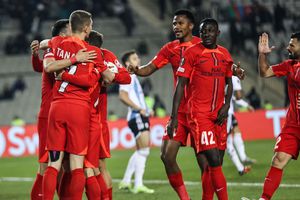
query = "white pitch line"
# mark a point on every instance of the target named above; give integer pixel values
(160, 182)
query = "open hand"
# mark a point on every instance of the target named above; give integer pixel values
(85, 56)
(263, 44)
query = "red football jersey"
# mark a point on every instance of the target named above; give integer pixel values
(112, 62)
(66, 49)
(171, 53)
(291, 69)
(48, 79)
(206, 69)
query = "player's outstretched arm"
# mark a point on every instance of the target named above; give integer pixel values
(172, 124)
(223, 112)
(145, 70)
(52, 65)
(264, 49)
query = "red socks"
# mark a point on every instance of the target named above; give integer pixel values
(92, 188)
(36, 192)
(177, 183)
(272, 182)
(207, 186)
(49, 183)
(219, 182)
(103, 188)
(64, 185)
(110, 193)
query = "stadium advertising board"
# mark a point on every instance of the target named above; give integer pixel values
(23, 141)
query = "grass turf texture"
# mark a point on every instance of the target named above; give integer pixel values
(260, 150)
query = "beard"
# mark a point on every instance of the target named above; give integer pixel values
(292, 56)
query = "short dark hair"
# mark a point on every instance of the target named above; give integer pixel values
(187, 13)
(95, 38)
(79, 19)
(59, 27)
(296, 35)
(209, 21)
(126, 55)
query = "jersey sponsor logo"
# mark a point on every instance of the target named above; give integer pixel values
(180, 69)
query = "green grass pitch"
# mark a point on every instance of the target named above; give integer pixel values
(260, 150)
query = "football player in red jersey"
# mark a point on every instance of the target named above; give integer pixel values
(183, 23)
(68, 130)
(206, 69)
(288, 142)
(100, 104)
(59, 30)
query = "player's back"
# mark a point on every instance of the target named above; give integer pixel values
(64, 90)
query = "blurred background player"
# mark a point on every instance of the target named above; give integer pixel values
(138, 121)
(60, 28)
(235, 143)
(287, 145)
(206, 69)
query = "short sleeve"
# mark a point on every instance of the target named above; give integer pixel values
(161, 58)
(281, 69)
(49, 53)
(125, 87)
(236, 82)
(186, 64)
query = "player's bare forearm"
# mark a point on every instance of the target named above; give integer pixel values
(51, 65)
(229, 90)
(181, 83)
(146, 70)
(263, 65)
(123, 95)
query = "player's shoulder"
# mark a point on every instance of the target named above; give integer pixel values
(195, 48)
(107, 52)
(55, 41)
(223, 49)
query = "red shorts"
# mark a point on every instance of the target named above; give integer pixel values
(203, 130)
(182, 131)
(105, 141)
(42, 127)
(92, 156)
(68, 127)
(289, 142)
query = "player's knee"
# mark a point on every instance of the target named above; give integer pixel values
(144, 151)
(88, 172)
(279, 161)
(54, 156)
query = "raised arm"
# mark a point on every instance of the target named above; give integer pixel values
(172, 124)
(36, 62)
(264, 49)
